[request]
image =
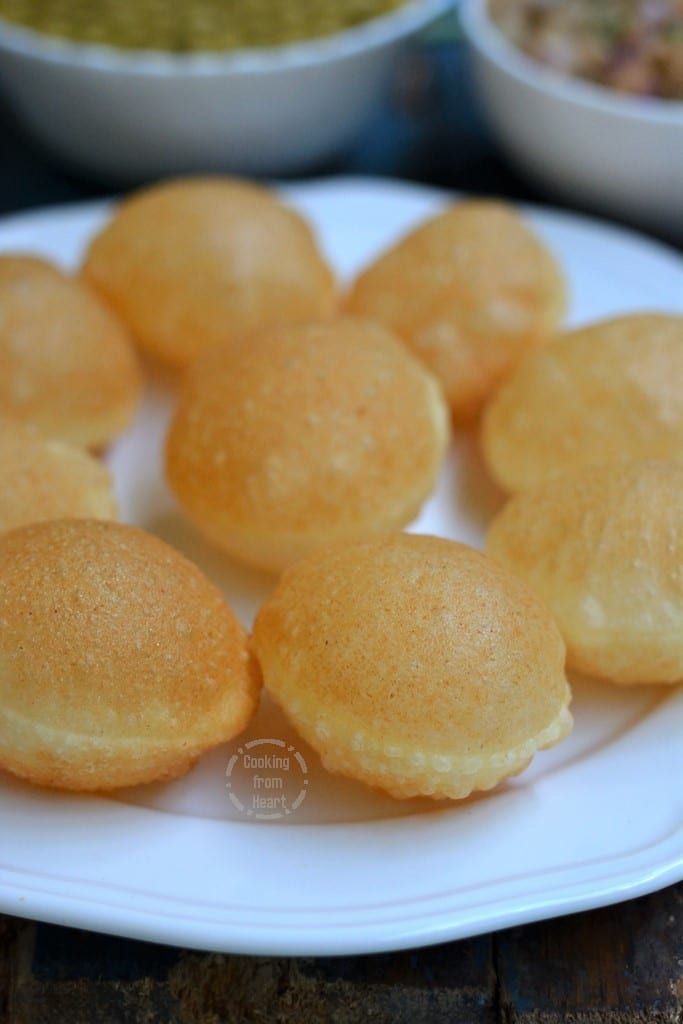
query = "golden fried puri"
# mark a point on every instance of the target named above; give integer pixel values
(304, 436)
(604, 548)
(66, 363)
(45, 479)
(193, 262)
(608, 392)
(470, 291)
(119, 662)
(414, 664)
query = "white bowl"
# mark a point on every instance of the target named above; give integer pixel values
(127, 115)
(596, 146)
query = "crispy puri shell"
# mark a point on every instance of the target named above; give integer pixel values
(608, 392)
(471, 291)
(190, 263)
(604, 548)
(119, 662)
(45, 479)
(66, 363)
(414, 664)
(305, 436)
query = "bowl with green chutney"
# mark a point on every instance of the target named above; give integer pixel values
(127, 90)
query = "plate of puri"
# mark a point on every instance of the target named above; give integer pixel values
(341, 565)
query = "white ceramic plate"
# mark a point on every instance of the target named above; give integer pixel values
(597, 820)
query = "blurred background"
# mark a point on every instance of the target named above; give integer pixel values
(578, 103)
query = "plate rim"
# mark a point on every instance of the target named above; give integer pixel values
(348, 939)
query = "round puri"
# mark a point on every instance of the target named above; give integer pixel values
(470, 291)
(66, 363)
(45, 479)
(604, 548)
(414, 664)
(608, 392)
(119, 662)
(190, 263)
(305, 436)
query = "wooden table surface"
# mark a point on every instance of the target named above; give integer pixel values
(620, 965)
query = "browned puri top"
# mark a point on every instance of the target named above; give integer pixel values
(106, 630)
(323, 427)
(414, 638)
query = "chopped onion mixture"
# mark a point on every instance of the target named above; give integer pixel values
(634, 46)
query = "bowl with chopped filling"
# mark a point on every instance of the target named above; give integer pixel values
(587, 96)
(132, 89)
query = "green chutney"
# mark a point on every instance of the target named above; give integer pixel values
(187, 26)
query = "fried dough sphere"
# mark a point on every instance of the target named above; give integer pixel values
(608, 392)
(45, 479)
(471, 291)
(303, 436)
(119, 662)
(603, 547)
(66, 363)
(414, 664)
(193, 262)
